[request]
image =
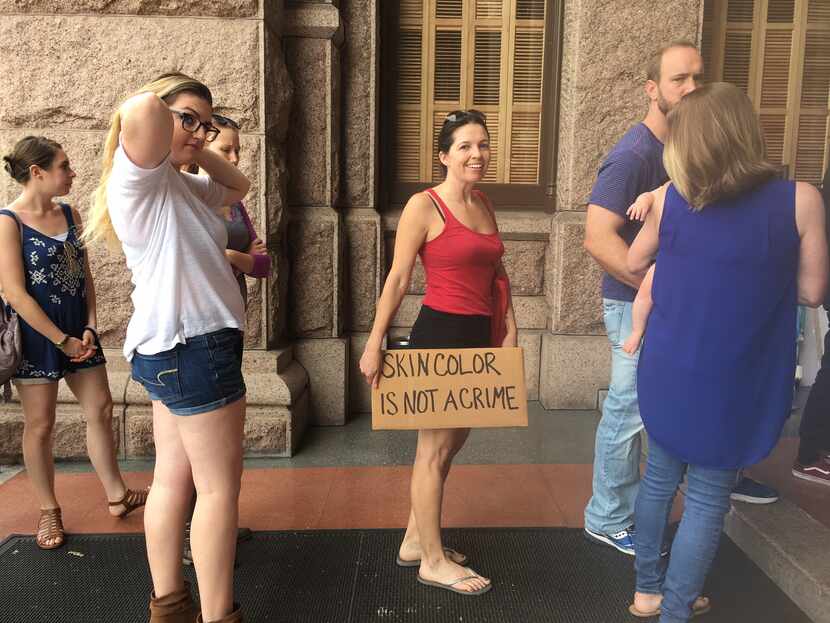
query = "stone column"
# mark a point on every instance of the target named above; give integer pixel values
(317, 300)
(67, 65)
(604, 53)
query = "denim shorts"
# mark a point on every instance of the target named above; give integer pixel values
(201, 375)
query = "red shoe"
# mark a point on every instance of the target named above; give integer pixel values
(818, 472)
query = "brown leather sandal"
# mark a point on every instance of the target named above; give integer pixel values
(133, 499)
(50, 528)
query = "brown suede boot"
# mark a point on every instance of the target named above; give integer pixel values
(233, 617)
(177, 607)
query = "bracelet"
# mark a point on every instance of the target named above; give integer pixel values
(94, 332)
(62, 343)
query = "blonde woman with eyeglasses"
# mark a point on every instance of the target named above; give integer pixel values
(184, 340)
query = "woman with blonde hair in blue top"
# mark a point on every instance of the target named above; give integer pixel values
(735, 250)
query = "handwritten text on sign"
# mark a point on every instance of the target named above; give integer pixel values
(471, 387)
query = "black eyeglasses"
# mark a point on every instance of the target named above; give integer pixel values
(225, 122)
(472, 113)
(191, 123)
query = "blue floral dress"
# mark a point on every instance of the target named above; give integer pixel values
(56, 279)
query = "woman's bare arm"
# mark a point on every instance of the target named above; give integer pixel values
(412, 231)
(223, 172)
(813, 260)
(146, 129)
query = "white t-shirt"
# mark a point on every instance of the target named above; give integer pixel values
(174, 239)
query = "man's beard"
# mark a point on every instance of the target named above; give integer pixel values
(663, 104)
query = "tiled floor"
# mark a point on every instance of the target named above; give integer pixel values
(776, 472)
(351, 477)
(331, 497)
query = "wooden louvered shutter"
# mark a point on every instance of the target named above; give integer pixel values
(811, 156)
(526, 102)
(487, 53)
(461, 54)
(738, 52)
(778, 51)
(772, 75)
(408, 148)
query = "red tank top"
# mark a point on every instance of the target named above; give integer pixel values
(460, 265)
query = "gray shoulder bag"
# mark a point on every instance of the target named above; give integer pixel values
(11, 346)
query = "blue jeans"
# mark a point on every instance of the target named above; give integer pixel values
(680, 579)
(618, 444)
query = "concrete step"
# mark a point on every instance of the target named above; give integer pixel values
(791, 547)
(278, 411)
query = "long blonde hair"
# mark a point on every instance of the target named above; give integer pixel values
(715, 147)
(98, 225)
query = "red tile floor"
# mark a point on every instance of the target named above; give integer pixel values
(331, 497)
(303, 498)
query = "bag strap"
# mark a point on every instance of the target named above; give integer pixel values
(7, 391)
(17, 220)
(435, 203)
(486, 201)
(20, 230)
(67, 214)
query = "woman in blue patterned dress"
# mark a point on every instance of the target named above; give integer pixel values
(45, 278)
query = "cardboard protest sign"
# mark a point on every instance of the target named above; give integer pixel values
(453, 388)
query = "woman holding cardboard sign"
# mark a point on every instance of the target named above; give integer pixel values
(467, 305)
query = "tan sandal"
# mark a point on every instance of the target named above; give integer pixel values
(701, 606)
(133, 499)
(450, 586)
(50, 528)
(457, 557)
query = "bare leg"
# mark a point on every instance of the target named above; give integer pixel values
(410, 546)
(168, 504)
(92, 390)
(38, 401)
(213, 443)
(410, 549)
(639, 313)
(436, 449)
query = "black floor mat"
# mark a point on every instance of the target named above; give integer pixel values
(550, 575)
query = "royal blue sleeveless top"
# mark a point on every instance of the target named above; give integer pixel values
(715, 376)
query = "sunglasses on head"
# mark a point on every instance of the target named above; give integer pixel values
(460, 115)
(225, 122)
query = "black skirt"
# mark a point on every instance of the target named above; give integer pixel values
(437, 329)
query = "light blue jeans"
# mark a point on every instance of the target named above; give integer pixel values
(618, 445)
(698, 536)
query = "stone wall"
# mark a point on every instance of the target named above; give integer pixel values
(68, 64)
(315, 167)
(62, 95)
(556, 285)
